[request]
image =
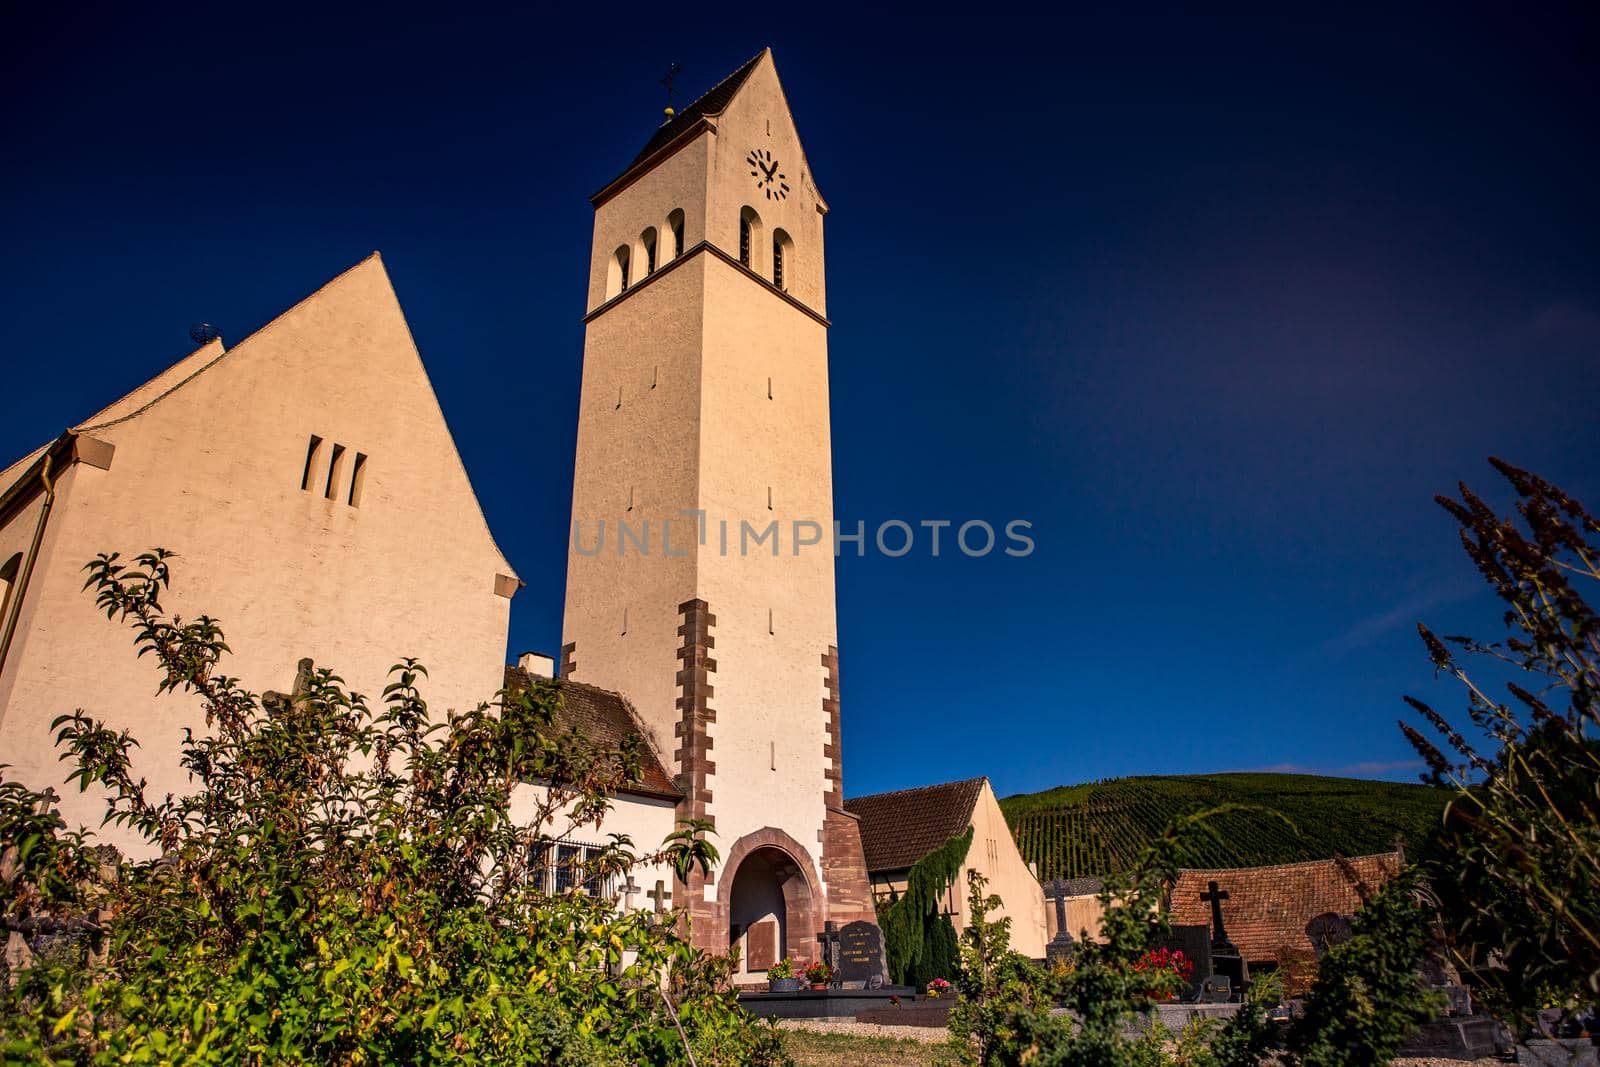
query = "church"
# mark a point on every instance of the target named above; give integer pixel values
(308, 483)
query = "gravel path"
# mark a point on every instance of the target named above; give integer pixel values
(934, 1035)
(931, 1035)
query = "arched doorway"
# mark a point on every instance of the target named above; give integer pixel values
(771, 901)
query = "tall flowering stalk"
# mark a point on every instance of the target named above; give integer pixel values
(1518, 871)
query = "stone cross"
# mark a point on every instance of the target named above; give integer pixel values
(1056, 890)
(1219, 935)
(661, 895)
(628, 891)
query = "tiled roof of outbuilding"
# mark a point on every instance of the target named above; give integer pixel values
(899, 828)
(1268, 907)
(604, 718)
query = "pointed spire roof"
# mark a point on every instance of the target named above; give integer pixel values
(714, 101)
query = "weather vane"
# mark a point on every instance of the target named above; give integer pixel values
(672, 90)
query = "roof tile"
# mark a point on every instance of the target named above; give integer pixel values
(1268, 907)
(604, 718)
(899, 828)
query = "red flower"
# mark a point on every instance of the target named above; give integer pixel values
(1165, 961)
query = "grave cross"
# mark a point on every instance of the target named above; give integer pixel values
(1056, 890)
(1219, 935)
(661, 895)
(628, 891)
(1216, 897)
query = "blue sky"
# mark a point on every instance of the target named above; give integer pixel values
(1216, 304)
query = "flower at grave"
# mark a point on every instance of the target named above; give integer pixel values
(784, 968)
(894, 1001)
(938, 988)
(819, 973)
(1169, 970)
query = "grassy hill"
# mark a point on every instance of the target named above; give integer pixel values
(1095, 829)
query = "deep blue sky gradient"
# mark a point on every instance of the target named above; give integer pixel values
(1216, 304)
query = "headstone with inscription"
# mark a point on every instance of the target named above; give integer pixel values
(861, 955)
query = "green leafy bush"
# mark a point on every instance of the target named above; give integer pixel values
(344, 886)
(1365, 1002)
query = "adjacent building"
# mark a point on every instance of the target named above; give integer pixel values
(899, 828)
(318, 508)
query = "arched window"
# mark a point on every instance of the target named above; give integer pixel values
(648, 240)
(617, 272)
(675, 224)
(749, 237)
(782, 249)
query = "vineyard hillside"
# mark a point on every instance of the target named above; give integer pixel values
(1096, 829)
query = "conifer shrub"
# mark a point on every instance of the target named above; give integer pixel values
(919, 940)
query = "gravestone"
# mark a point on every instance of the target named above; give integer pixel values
(1195, 944)
(1225, 958)
(1061, 946)
(828, 945)
(1216, 990)
(761, 944)
(1327, 930)
(860, 954)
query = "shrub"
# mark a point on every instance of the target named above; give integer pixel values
(919, 942)
(1516, 865)
(345, 885)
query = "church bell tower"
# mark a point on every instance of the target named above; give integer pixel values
(700, 573)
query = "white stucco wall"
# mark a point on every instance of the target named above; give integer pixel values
(646, 821)
(994, 854)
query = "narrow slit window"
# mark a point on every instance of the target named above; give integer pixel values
(655, 376)
(770, 628)
(8, 581)
(619, 398)
(769, 498)
(335, 469)
(358, 478)
(630, 498)
(624, 621)
(769, 387)
(313, 450)
(782, 247)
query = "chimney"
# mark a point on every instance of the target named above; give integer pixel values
(537, 665)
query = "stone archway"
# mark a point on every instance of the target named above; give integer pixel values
(768, 878)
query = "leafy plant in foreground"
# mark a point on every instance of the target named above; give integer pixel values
(345, 885)
(1517, 862)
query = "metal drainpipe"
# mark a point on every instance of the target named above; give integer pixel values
(21, 588)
